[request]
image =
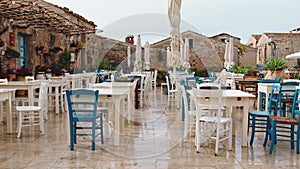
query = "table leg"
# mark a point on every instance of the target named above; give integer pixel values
(9, 113)
(56, 101)
(116, 134)
(245, 122)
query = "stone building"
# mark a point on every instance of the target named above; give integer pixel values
(39, 31)
(243, 55)
(97, 48)
(277, 45)
(204, 51)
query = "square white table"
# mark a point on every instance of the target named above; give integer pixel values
(237, 98)
(130, 86)
(30, 86)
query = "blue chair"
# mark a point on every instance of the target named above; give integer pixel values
(82, 107)
(283, 128)
(263, 95)
(286, 93)
(258, 119)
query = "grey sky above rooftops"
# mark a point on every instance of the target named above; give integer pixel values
(240, 18)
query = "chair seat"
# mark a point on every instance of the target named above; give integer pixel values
(213, 119)
(258, 113)
(28, 108)
(85, 117)
(287, 120)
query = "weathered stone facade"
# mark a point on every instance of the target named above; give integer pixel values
(206, 51)
(38, 37)
(98, 48)
(278, 45)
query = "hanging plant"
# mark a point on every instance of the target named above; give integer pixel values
(11, 53)
(39, 49)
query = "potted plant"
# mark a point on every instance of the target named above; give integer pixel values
(275, 68)
(39, 49)
(23, 72)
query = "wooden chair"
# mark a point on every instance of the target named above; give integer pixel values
(281, 128)
(33, 115)
(83, 115)
(216, 124)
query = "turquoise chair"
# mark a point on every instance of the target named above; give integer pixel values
(258, 119)
(83, 115)
(286, 93)
(263, 95)
(283, 128)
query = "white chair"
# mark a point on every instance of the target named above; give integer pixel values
(171, 91)
(33, 115)
(144, 90)
(189, 115)
(215, 125)
(153, 80)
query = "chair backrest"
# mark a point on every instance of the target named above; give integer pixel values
(168, 83)
(274, 101)
(208, 98)
(43, 98)
(29, 78)
(295, 107)
(82, 101)
(4, 80)
(154, 75)
(185, 100)
(190, 82)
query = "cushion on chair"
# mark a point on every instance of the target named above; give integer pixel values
(284, 119)
(259, 113)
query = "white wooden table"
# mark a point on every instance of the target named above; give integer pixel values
(30, 86)
(130, 86)
(6, 95)
(237, 98)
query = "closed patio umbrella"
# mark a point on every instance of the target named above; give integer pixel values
(174, 18)
(147, 55)
(186, 51)
(138, 56)
(168, 57)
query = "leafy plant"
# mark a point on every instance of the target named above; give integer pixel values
(11, 53)
(239, 69)
(275, 64)
(104, 64)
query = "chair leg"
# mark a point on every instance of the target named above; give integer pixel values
(230, 137)
(273, 135)
(267, 132)
(20, 121)
(292, 136)
(72, 137)
(253, 130)
(217, 142)
(93, 135)
(102, 137)
(41, 118)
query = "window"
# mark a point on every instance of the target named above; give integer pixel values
(191, 43)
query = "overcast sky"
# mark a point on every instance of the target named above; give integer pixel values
(240, 18)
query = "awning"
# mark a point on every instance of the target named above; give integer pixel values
(39, 14)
